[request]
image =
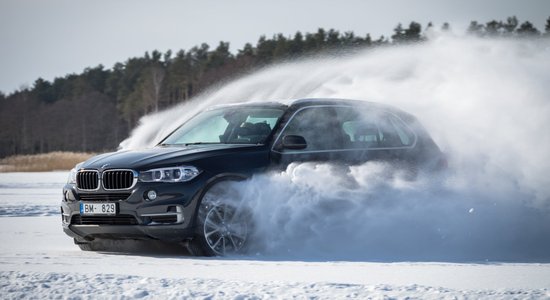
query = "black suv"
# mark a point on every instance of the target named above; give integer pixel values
(181, 191)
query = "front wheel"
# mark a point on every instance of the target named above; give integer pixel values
(223, 224)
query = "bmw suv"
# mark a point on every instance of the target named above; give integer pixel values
(181, 190)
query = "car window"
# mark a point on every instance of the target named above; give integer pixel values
(231, 125)
(394, 133)
(208, 131)
(320, 126)
(341, 128)
(363, 134)
(406, 136)
(271, 121)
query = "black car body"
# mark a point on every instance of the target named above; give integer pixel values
(162, 193)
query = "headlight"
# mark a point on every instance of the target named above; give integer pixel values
(174, 174)
(72, 174)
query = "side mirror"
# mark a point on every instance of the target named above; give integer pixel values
(295, 142)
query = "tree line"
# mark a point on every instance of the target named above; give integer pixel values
(96, 109)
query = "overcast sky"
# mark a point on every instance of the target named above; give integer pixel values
(50, 39)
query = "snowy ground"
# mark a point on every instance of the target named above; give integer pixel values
(38, 261)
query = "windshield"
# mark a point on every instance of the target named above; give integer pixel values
(229, 125)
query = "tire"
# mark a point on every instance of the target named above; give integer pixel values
(224, 224)
(90, 246)
(85, 247)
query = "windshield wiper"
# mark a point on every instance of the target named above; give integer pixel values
(186, 144)
(201, 143)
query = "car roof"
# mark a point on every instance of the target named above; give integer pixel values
(299, 102)
(305, 102)
(274, 104)
(329, 101)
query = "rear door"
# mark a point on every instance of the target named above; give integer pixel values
(343, 133)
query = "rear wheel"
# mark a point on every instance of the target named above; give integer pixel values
(223, 224)
(90, 245)
(85, 247)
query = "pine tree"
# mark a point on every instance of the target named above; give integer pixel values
(265, 49)
(368, 40)
(42, 90)
(492, 28)
(296, 46)
(510, 25)
(333, 38)
(320, 38)
(527, 29)
(399, 34)
(247, 50)
(281, 47)
(219, 56)
(476, 28)
(413, 33)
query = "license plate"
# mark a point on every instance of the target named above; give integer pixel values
(98, 209)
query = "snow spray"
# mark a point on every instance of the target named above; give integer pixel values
(486, 103)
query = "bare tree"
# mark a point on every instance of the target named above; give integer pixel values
(157, 77)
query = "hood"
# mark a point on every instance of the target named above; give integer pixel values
(160, 156)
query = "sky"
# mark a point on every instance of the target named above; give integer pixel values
(54, 38)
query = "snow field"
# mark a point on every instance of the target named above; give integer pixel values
(32, 285)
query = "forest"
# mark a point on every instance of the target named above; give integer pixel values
(95, 110)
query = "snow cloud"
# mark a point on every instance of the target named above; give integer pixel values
(484, 101)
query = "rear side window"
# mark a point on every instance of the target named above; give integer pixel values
(376, 129)
(406, 135)
(394, 133)
(363, 133)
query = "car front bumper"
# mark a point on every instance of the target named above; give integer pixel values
(170, 217)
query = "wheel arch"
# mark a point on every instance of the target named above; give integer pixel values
(209, 184)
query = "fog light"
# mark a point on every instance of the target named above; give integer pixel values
(151, 195)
